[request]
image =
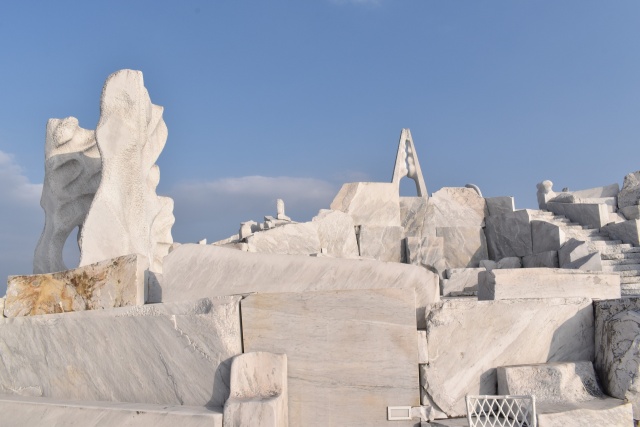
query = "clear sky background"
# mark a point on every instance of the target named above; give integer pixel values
(277, 98)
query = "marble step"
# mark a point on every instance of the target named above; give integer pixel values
(621, 267)
(617, 262)
(621, 256)
(627, 277)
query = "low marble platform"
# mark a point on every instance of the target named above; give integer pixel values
(20, 411)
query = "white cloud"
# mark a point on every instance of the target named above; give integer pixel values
(21, 219)
(214, 209)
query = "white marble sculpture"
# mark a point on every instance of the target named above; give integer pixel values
(72, 175)
(126, 215)
(407, 164)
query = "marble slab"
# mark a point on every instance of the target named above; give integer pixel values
(192, 271)
(351, 354)
(369, 203)
(463, 246)
(547, 283)
(170, 354)
(289, 239)
(117, 282)
(20, 411)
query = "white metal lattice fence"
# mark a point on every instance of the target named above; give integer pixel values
(501, 411)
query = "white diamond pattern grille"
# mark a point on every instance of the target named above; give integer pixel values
(501, 411)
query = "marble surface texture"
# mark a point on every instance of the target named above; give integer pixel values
(350, 353)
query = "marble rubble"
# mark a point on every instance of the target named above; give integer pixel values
(383, 305)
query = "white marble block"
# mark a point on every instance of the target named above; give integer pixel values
(172, 354)
(463, 246)
(126, 215)
(71, 177)
(351, 354)
(290, 239)
(461, 280)
(546, 237)
(489, 334)
(369, 203)
(407, 164)
(258, 394)
(571, 251)
(337, 233)
(381, 243)
(509, 235)
(548, 283)
(117, 282)
(456, 207)
(192, 271)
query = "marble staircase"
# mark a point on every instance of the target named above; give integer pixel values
(617, 256)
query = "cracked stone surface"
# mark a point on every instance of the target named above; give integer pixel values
(172, 354)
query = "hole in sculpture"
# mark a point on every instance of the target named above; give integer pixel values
(408, 187)
(71, 252)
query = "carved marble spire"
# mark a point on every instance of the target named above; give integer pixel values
(407, 164)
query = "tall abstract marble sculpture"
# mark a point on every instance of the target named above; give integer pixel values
(127, 216)
(72, 175)
(104, 182)
(407, 164)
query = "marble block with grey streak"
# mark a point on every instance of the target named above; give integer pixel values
(351, 354)
(489, 334)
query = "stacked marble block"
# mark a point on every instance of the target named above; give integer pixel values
(204, 348)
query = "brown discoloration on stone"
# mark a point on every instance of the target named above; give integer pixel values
(107, 284)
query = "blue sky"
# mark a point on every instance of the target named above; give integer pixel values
(268, 99)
